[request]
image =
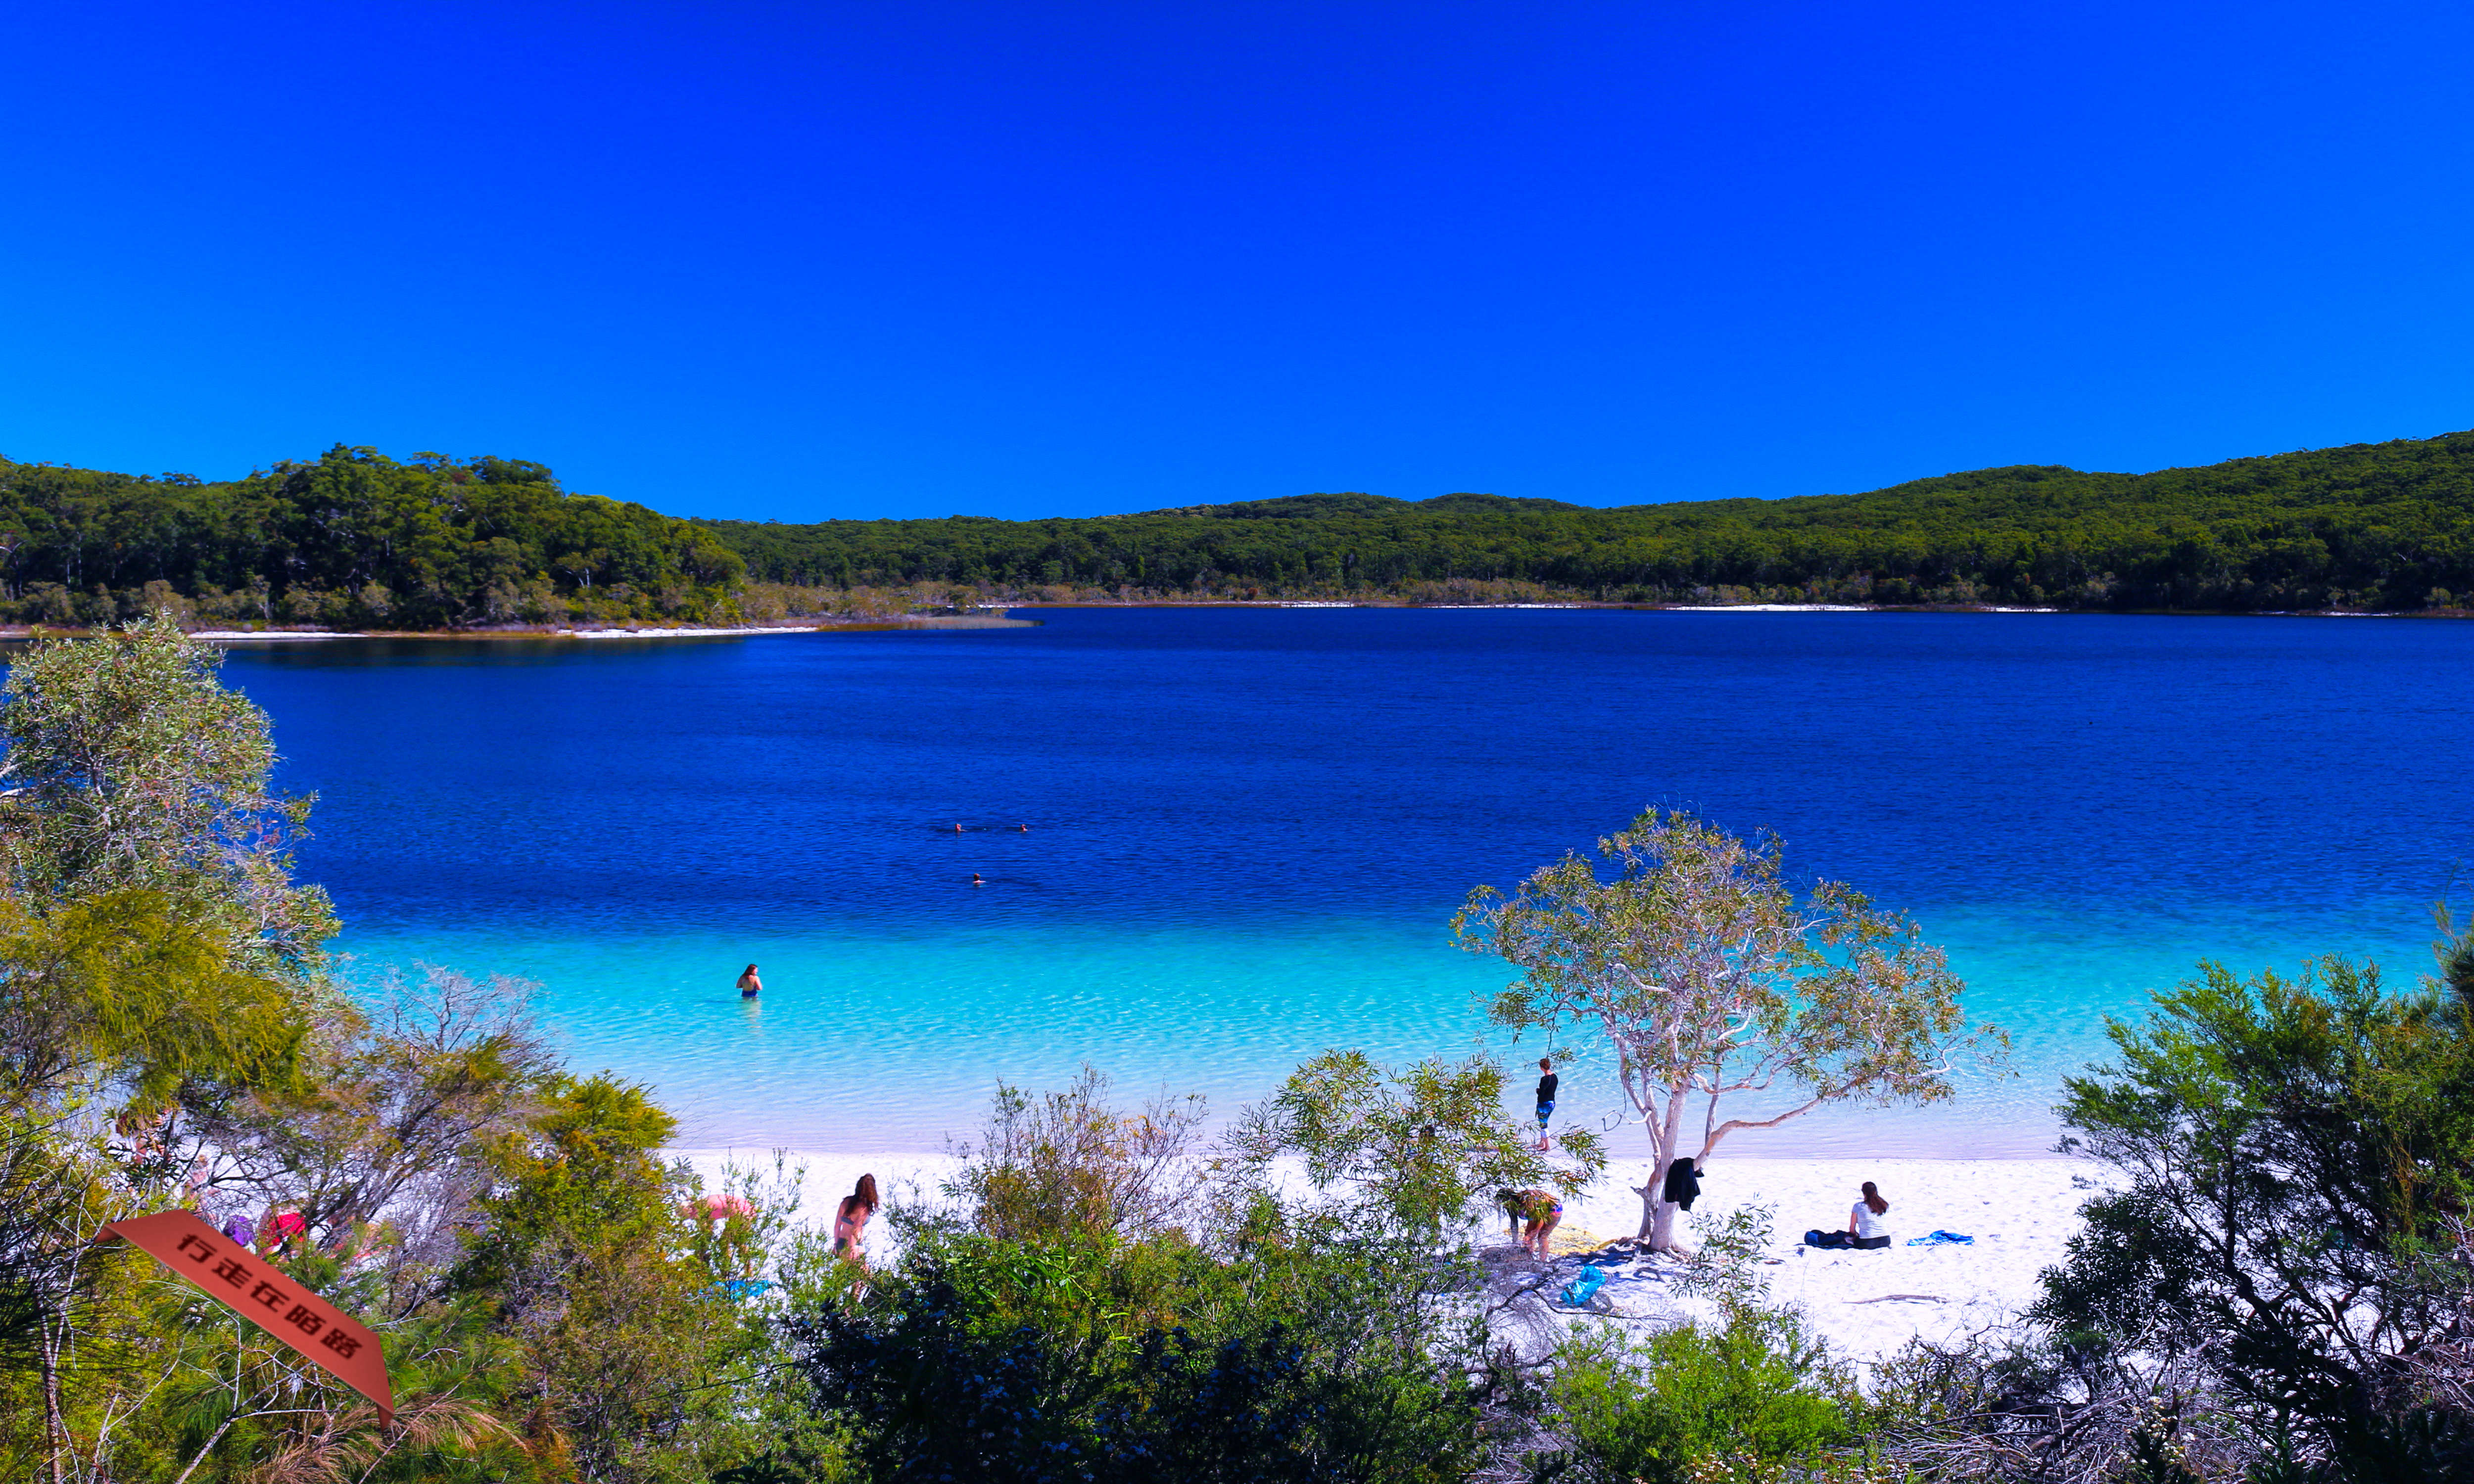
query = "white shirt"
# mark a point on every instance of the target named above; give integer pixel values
(1867, 1224)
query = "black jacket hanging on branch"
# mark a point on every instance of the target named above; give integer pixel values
(1682, 1184)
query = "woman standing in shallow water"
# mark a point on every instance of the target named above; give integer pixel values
(749, 986)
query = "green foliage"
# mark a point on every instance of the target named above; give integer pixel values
(1101, 1303)
(995, 1359)
(1410, 1151)
(630, 1345)
(134, 768)
(381, 1139)
(583, 1174)
(2367, 526)
(1066, 1166)
(2299, 1156)
(352, 537)
(121, 993)
(550, 1310)
(1735, 1400)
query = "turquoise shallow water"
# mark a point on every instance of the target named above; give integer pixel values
(1248, 827)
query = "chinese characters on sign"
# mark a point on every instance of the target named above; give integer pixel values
(237, 1278)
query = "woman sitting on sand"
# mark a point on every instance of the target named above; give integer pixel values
(850, 1221)
(1540, 1210)
(1864, 1221)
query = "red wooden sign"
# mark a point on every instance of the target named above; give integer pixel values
(257, 1290)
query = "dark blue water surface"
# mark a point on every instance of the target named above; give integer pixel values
(1248, 829)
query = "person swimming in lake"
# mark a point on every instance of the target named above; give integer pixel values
(749, 986)
(850, 1221)
(1538, 1210)
(977, 879)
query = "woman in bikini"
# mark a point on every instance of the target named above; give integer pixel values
(1540, 1210)
(749, 986)
(850, 1221)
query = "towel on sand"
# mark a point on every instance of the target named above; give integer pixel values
(1939, 1239)
(1581, 1290)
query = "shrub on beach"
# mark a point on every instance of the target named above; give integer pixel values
(2279, 1288)
(2300, 1154)
(1736, 1400)
(1091, 1303)
(998, 1359)
(1741, 1398)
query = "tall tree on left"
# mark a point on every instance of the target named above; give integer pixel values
(153, 952)
(131, 766)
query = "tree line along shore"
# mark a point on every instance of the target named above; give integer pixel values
(355, 540)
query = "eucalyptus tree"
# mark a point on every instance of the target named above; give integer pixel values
(130, 766)
(1714, 982)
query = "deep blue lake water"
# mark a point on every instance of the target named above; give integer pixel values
(1250, 826)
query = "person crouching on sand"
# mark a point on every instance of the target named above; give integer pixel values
(749, 986)
(1541, 1213)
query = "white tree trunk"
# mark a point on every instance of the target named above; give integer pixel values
(1657, 1212)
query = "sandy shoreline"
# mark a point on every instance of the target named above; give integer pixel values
(2021, 1214)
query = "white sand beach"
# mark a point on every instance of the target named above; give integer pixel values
(2020, 1212)
(671, 633)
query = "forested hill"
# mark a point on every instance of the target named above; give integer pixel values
(357, 538)
(2370, 526)
(350, 538)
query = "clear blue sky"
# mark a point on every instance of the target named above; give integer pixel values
(1021, 260)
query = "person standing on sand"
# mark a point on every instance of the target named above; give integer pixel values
(1547, 1081)
(749, 986)
(850, 1221)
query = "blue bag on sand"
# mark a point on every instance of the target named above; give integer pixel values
(1939, 1239)
(1581, 1290)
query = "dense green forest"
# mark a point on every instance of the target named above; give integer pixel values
(2371, 526)
(354, 538)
